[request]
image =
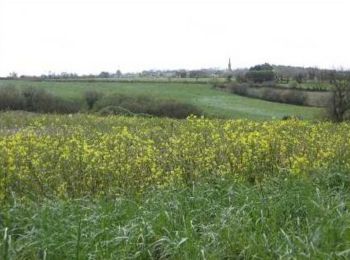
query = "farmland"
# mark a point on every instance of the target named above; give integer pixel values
(212, 102)
(83, 186)
(174, 130)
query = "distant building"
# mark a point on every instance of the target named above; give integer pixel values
(229, 68)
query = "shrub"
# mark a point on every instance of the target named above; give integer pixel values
(10, 98)
(173, 109)
(240, 89)
(285, 96)
(240, 78)
(270, 95)
(91, 97)
(141, 105)
(293, 97)
(35, 100)
(39, 100)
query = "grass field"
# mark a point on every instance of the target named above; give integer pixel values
(87, 187)
(214, 103)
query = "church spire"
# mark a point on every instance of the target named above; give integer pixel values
(229, 65)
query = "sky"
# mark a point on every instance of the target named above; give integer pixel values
(90, 36)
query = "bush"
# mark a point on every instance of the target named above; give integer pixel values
(240, 78)
(34, 100)
(285, 96)
(293, 97)
(240, 89)
(10, 98)
(91, 97)
(173, 109)
(268, 91)
(141, 105)
(39, 100)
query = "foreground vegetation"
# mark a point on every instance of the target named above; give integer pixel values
(285, 217)
(69, 157)
(203, 97)
(127, 187)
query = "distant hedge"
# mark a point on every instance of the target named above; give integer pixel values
(41, 101)
(35, 100)
(143, 105)
(269, 92)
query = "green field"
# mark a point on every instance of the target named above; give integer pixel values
(213, 103)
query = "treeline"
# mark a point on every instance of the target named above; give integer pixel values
(285, 74)
(300, 74)
(182, 73)
(282, 74)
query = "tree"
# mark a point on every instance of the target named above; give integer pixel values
(339, 106)
(13, 75)
(104, 74)
(261, 73)
(118, 74)
(181, 73)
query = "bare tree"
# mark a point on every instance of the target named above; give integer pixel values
(340, 102)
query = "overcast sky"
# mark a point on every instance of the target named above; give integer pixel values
(89, 36)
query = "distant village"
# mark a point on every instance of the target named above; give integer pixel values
(280, 71)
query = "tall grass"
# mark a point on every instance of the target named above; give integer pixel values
(284, 217)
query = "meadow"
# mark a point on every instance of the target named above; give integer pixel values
(212, 102)
(82, 186)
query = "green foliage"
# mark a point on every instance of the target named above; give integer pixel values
(260, 76)
(212, 102)
(262, 67)
(289, 218)
(34, 100)
(261, 73)
(11, 98)
(91, 97)
(142, 105)
(285, 96)
(87, 187)
(270, 93)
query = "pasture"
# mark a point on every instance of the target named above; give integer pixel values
(212, 102)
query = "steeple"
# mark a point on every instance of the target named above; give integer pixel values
(229, 65)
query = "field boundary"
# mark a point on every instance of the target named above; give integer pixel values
(310, 98)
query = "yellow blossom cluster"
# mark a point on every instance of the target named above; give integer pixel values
(59, 156)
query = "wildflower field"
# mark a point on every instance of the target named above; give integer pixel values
(81, 186)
